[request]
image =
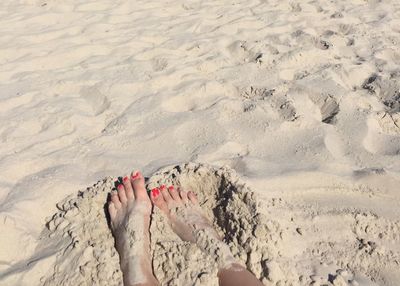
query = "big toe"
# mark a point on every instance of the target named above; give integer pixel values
(139, 190)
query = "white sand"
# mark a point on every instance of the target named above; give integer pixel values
(300, 99)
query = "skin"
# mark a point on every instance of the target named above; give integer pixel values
(132, 197)
(167, 199)
(131, 200)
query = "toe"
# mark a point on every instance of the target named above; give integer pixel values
(139, 189)
(112, 210)
(174, 194)
(167, 197)
(122, 194)
(192, 197)
(158, 200)
(184, 196)
(115, 200)
(128, 188)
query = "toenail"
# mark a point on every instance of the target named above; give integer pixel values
(120, 187)
(155, 192)
(170, 188)
(134, 176)
(126, 179)
(162, 187)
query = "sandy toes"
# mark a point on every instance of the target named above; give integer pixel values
(190, 224)
(182, 210)
(130, 209)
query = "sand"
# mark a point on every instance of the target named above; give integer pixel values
(279, 239)
(299, 99)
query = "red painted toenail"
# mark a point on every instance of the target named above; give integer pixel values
(155, 192)
(126, 179)
(162, 187)
(134, 176)
(170, 188)
(120, 187)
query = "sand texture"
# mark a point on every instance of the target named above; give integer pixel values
(294, 106)
(280, 248)
(232, 208)
(84, 246)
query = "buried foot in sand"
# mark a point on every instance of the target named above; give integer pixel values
(190, 224)
(129, 211)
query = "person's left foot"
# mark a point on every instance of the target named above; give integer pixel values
(129, 211)
(191, 217)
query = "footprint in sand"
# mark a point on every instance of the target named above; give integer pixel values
(386, 89)
(199, 96)
(96, 100)
(317, 99)
(383, 136)
(245, 52)
(278, 101)
(327, 105)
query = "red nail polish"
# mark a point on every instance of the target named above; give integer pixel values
(170, 188)
(120, 187)
(155, 192)
(125, 179)
(162, 187)
(134, 176)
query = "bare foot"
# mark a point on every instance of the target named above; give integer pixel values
(129, 210)
(190, 224)
(183, 211)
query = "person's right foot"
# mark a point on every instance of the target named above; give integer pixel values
(183, 211)
(190, 224)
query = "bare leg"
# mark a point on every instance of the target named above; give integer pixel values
(237, 275)
(190, 224)
(130, 210)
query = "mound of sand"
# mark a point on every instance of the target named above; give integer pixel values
(87, 256)
(298, 237)
(232, 208)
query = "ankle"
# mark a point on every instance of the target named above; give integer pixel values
(210, 243)
(138, 271)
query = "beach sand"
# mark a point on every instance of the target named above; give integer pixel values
(293, 105)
